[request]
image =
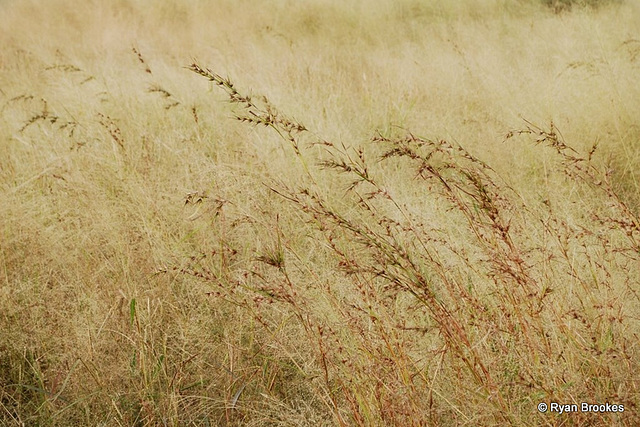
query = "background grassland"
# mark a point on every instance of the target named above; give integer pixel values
(442, 245)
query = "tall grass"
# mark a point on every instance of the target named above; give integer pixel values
(433, 223)
(475, 273)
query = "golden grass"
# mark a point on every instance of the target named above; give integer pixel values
(407, 226)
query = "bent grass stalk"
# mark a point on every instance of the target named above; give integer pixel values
(403, 256)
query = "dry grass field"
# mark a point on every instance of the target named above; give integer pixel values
(319, 213)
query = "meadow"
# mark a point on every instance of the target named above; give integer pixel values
(319, 213)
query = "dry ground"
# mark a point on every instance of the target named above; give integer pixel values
(427, 214)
